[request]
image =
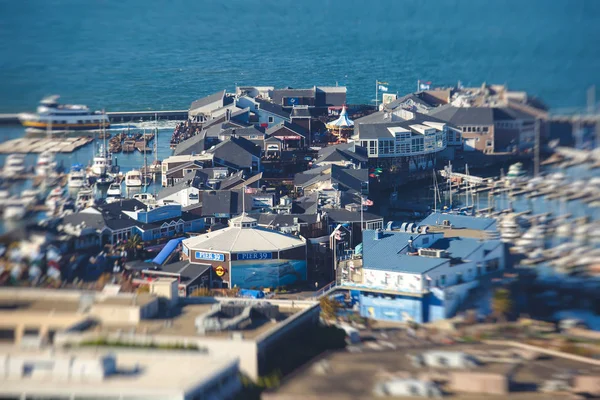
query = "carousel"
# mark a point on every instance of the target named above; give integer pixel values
(342, 127)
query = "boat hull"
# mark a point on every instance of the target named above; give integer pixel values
(43, 126)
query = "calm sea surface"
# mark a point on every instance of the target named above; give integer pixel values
(133, 54)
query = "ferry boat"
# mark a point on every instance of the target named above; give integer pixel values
(51, 115)
(133, 178)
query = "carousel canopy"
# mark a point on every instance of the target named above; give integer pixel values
(342, 122)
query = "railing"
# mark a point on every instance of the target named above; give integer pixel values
(325, 289)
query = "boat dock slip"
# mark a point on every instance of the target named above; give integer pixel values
(33, 145)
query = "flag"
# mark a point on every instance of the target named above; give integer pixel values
(382, 83)
(424, 85)
(383, 88)
(368, 202)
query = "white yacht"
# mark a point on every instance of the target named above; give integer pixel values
(45, 163)
(85, 199)
(102, 162)
(14, 165)
(113, 192)
(534, 238)
(54, 199)
(133, 178)
(52, 115)
(76, 177)
(14, 211)
(509, 228)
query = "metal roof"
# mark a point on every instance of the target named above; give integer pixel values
(461, 221)
(233, 239)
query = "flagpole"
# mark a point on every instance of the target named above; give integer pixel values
(418, 84)
(376, 93)
(362, 204)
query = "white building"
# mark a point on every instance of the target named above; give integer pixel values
(123, 374)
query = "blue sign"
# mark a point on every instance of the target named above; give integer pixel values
(291, 101)
(255, 256)
(201, 255)
(221, 215)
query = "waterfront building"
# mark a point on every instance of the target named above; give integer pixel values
(343, 155)
(203, 109)
(109, 223)
(422, 272)
(407, 140)
(291, 135)
(336, 186)
(244, 255)
(318, 97)
(235, 154)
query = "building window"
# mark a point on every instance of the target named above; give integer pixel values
(270, 119)
(464, 128)
(468, 129)
(478, 129)
(489, 143)
(443, 279)
(485, 129)
(372, 147)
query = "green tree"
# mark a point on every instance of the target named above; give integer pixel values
(329, 307)
(502, 303)
(134, 244)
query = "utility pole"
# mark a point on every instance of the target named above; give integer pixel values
(536, 165)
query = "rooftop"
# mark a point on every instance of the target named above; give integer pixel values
(147, 374)
(235, 239)
(353, 375)
(460, 221)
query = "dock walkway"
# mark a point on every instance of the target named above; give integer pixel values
(38, 145)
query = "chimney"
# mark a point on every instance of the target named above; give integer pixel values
(378, 234)
(410, 245)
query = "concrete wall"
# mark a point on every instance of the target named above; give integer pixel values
(587, 384)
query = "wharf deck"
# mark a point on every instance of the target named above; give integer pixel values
(38, 145)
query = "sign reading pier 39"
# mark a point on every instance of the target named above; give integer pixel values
(255, 256)
(202, 255)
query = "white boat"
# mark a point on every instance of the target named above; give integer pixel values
(114, 190)
(54, 199)
(516, 172)
(85, 199)
(14, 211)
(76, 178)
(52, 115)
(100, 164)
(45, 163)
(14, 165)
(105, 180)
(534, 238)
(133, 178)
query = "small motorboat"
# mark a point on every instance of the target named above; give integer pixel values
(45, 163)
(76, 177)
(14, 210)
(85, 199)
(133, 178)
(145, 198)
(104, 180)
(54, 199)
(114, 190)
(14, 166)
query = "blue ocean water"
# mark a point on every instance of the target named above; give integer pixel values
(133, 54)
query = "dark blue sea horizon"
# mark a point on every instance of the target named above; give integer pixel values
(140, 55)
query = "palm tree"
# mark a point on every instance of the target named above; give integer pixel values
(501, 303)
(134, 243)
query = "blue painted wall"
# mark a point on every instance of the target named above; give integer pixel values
(267, 273)
(160, 213)
(387, 307)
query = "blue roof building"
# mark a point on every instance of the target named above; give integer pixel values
(420, 274)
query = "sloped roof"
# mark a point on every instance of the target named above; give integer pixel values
(464, 115)
(340, 215)
(213, 98)
(193, 145)
(341, 152)
(195, 179)
(233, 239)
(294, 128)
(236, 152)
(189, 272)
(274, 109)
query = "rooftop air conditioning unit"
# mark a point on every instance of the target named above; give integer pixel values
(437, 253)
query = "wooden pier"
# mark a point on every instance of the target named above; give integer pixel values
(33, 145)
